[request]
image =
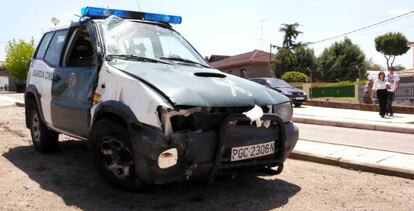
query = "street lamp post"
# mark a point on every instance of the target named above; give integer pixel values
(359, 73)
(310, 88)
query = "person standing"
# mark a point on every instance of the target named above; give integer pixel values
(381, 87)
(367, 98)
(394, 81)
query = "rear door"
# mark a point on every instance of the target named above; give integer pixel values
(73, 84)
(42, 67)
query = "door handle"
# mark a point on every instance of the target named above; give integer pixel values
(56, 78)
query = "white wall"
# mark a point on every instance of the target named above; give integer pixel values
(4, 80)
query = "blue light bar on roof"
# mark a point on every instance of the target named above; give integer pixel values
(162, 18)
(95, 12)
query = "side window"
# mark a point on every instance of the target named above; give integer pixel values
(55, 48)
(243, 73)
(43, 45)
(80, 52)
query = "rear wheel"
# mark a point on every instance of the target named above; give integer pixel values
(297, 104)
(44, 140)
(111, 151)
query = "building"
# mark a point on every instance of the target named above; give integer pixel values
(411, 45)
(407, 75)
(214, 58)
(249, 65)
(4, 77)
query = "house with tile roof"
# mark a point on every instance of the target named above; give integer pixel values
(252, 64)
(407, 75)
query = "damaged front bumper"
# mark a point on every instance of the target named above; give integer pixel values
(203, 155)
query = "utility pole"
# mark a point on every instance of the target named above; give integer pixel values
(261, 30)
(270, 56)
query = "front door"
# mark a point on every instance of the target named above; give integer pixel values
(73, 84)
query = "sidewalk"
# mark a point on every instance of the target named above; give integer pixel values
(356, 158)
(401, 123)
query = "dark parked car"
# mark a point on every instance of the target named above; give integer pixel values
(296, 95)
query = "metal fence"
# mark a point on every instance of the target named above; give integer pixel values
(405, 92)
(404, 95)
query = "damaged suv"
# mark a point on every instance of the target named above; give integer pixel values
(149, 106)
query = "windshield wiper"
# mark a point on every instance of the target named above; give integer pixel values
(183, 60)
(135, 58)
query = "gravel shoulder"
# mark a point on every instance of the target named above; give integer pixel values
(67, 180)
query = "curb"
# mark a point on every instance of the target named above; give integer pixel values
(358, 125)
(354, 165)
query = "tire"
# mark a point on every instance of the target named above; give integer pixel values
(297, 104)
(111, 151)
(44, 140)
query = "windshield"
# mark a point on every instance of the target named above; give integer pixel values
(127, 39)
(278, 83)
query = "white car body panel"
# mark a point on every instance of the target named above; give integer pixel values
(139, 97)
(41, 76)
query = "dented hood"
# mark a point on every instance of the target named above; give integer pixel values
(198, 86)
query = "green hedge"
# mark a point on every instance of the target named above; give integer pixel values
(294, 76)
(334, 91)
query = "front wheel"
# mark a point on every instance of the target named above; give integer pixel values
(44, 140)
(111, 151)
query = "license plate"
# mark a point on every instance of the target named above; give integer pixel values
(252, 151)
(300, 98)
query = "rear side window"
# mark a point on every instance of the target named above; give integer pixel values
(55, 48)
(43, 45)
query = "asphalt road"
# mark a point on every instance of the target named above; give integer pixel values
(373, 139)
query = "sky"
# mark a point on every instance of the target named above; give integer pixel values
(232, 27)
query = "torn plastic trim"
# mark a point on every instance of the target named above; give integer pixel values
(165, 115)
(256, 114)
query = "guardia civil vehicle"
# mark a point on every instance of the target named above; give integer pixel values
(149, 106)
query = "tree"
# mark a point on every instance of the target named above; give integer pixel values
(374, 66)
(399, 67)
(342, 61)
(299, 59)
(294, 76)
(285, 61)
(290, 33)
(18, 55)
(391, 45)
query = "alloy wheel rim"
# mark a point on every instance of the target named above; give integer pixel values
(36, 128)
(117, 157)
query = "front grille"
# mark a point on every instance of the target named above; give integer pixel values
(208, 120)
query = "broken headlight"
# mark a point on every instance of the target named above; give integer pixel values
(284, 111)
